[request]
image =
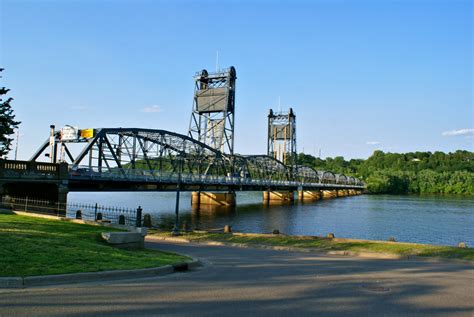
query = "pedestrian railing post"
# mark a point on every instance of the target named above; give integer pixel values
(95, 212)
(138, 221)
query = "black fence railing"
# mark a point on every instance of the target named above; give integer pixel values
(94, 212)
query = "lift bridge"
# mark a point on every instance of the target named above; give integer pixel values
(134, 159)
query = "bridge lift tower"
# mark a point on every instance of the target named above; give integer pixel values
(212, 122)
(282, 136)
(282, 146)
(212, 118)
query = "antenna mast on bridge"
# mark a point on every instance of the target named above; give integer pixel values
(282, 136)
(212, 118)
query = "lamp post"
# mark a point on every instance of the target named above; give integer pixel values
(175, 231)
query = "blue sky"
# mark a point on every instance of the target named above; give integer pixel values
(360, 75)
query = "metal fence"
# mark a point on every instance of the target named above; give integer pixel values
(94, 212)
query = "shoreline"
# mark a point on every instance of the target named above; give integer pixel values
(334, 246)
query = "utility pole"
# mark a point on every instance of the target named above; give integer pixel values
(17, 142)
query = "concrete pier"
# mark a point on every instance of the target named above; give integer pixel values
(285, 196)
(218, 199)
(327, 194)
(341, 192)
(309, 195)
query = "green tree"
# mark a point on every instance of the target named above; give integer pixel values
(400, 173)
(7, 122)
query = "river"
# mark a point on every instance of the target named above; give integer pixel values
(433, 219)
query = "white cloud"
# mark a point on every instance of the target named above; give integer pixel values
(372, 142)
(152, 109)
(458, 132)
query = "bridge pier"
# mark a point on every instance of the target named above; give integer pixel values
(341, 193)
(327, 194)
(309, 195)
(284, 196)
(217, 199)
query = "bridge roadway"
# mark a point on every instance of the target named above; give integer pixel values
(18, 177)
(141, 180)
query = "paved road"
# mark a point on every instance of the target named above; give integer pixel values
(255, 282)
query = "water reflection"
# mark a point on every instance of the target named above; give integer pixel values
(427, 219)
(202, 217)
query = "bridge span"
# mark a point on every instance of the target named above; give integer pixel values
(132, 159)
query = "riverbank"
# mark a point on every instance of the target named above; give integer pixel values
(350, 246)
(36, 246)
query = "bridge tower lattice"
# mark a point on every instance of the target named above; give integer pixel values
(282, 136)
(212, 118)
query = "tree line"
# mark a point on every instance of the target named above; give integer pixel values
(403, 173)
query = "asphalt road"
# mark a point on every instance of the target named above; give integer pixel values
(256, 282)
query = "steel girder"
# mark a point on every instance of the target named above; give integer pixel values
(307, 174)
(327, 177)
(130, 152)
(341, 179)
(266, 167)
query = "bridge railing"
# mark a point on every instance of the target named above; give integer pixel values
(166, 177)
(32, 169)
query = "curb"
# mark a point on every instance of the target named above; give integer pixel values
(11, 282)
(76, 278)
(367, 255)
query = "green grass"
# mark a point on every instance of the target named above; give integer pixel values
(334, 244)
(33, 246)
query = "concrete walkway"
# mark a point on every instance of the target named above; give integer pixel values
(256, 282)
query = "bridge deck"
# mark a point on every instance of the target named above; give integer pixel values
(87, 179)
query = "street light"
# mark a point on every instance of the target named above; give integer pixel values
(175, 231)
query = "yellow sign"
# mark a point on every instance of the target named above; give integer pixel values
(87, 133)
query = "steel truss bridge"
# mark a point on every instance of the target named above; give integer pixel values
(157, 160)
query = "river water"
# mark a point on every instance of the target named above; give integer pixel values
(434, 219)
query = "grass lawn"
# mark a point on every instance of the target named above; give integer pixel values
(333, 244)
(33, 246)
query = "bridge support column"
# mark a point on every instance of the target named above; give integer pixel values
(63, 190)
(341, 193)
(309, 195)
(286, 196)
(218, 199)
(327, 194)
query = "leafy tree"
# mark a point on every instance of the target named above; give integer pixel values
(400, 173)
(7, 122)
